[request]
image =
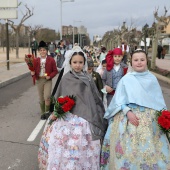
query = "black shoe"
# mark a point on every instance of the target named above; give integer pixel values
(47, 114)
(43, 117)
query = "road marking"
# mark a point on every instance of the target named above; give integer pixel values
(36, 131)
(15, 164)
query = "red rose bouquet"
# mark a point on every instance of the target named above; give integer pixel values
(163, 118)
(62, 106)
(29, 59)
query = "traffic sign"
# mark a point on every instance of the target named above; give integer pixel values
(9, 14)
(8, 3)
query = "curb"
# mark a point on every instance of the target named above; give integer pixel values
(162, 78)
(14, 79)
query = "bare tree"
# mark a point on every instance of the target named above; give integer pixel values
(32, 31)
(161, 21)
(16, 28)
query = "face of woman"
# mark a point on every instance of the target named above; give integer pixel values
(77, 63)
(139, 62)
(43, 52)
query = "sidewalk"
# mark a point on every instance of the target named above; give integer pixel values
(163, 63)
(16, 72)
(20, 70)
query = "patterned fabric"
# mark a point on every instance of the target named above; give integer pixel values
(42, 66)
(50, 67)
(116, 76)
(127, 147)
(67, 145)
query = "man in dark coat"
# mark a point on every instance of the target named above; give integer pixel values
(159, 50)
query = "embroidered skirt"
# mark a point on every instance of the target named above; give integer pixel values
(67, 145)
(126, 147)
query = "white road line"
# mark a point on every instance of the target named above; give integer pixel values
(36, 131)
(15, 164)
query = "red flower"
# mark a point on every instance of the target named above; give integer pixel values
(164, 120)
(68, 105)
(71, 102)
(29, 59)
(166, 114)
(29, 55)
(62, 106)
(61, 100)
(66, 108)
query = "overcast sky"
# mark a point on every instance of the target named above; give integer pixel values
(98, 16)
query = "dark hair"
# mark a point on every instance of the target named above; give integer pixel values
(78, 53)
(139, 51)
(104, 61)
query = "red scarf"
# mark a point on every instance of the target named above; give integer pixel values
(109, 60)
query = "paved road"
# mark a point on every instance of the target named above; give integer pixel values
(19, 115)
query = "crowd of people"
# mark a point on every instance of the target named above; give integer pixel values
(113, 123)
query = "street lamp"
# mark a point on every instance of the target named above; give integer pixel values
(61, 1)
(81, 39)
(73, 30)
(145, 28)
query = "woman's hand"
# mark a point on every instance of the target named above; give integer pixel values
(108, 89)
(133, 119)
(53, 117)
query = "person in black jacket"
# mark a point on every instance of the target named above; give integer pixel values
(159, 51)
(96, 76)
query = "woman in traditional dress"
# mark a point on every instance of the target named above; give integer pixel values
(133, 140)
(75, 142)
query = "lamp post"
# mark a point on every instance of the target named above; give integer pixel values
(81, 39)
(145, 28)
(61, 1)
(83, 43)
(73, 30)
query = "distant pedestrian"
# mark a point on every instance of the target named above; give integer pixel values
(96, 76)
(163, 52)
(101, 68)
(51, 48)
(45, 70)
(125, 50)
(159, 51)
(34, 47)
(61, 49)
(102, 54)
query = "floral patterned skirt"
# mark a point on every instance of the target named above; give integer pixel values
(127, 147)
(67, 145)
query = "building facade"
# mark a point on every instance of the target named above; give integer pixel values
(68, 30)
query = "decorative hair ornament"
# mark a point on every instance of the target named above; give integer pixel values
(109, 60)
(117, 51)
(68, 56)
(139, 50)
